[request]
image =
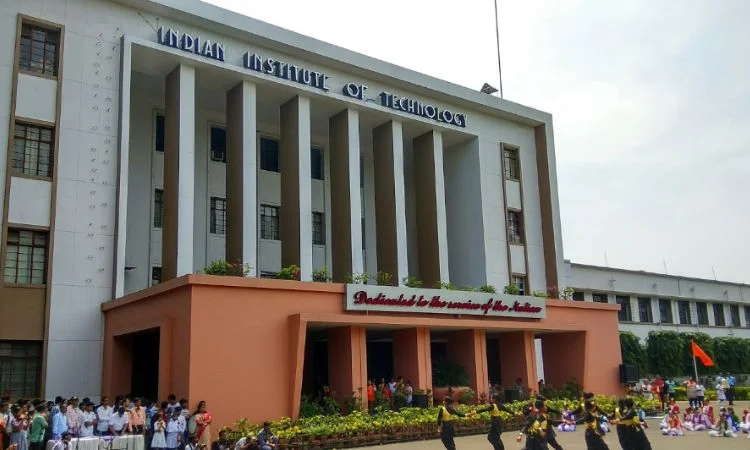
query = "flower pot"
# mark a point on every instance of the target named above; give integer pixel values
(439, 393)
(420, 400)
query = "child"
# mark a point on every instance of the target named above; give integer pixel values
(674, 426)
(174, 433)
(745, 424)
(723, 426)
(708, 411)
(642, 417)
(158, 441)
(568, 421)
(698, 421)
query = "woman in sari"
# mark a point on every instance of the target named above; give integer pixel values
(203, 425)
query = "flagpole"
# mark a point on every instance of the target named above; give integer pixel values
(695, 367)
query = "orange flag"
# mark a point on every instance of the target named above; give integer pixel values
(700, 354)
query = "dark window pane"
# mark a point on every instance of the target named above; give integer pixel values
(159, 125)
(20, 364)
(39, 50)
(625, 314)
(218, 144)
(158, 207)
(269, 155)
(218, 215)
(510, 163)
(665, 310)
(515, 230)
(316, 164)
(318, 228)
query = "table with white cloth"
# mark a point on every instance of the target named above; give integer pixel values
(127, 442)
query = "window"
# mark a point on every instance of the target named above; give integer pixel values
(515, 234)
(32, 150)
(702, 311)
(159, 133)
(218, 144)
(520, 282)
(26, 257)
(318, 228)
(625, 314)
(155, 275)
(39, 50)
(578, 296)
(20, 368)
(510, 163)
(665, 310)
(645, 313)
(269, 154)
(218, 215)
(734, 311)
(683, 309)
(747, 316)
(719, 318)
(269, 222)
(158, 207)
(600, 298)
(316, 164)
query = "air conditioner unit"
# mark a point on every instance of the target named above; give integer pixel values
(218, 155)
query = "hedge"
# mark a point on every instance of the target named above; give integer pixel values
(740, 393)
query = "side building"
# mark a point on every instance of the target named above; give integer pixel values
(655, 301)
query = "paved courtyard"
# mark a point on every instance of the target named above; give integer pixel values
(574, 441)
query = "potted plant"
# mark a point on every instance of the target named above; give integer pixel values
(449, 375)
(419, 399)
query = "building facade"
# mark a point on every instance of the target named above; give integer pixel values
(659, 302)
(147, 139)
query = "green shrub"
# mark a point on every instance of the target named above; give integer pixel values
(488, 288)
(227, 269)
(357, 278)
(511, 289)
(288, 273)
(448, 372)
(321, 275)
(411, 282)
(384, 278)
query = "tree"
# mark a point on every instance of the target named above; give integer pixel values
(633, 352)
(705, 342)
(664, 350)
(732, 354)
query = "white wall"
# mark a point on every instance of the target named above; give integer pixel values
(29, 201)
(36, 98)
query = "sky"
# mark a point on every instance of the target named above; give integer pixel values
(650, 102)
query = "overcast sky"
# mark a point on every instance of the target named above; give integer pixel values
(650, 100)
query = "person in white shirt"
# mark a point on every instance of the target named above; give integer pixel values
(103, 414)
(119, 423)
(88, 420)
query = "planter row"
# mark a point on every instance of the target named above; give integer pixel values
(379, 438)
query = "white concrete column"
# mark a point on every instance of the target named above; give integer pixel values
(390, 201)
(242, 186)
(179, 173)
(346, 199)
(296, 192)
(123, 174)
(432, 239)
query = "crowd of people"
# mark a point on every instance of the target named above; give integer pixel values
(169, 425)
(704, 418)
(663, 389)
(394, 392)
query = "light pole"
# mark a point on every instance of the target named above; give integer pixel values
(497, 36)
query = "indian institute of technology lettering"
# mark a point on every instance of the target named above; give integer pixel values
(312, 78)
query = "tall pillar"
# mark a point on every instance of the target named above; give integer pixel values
(346, 206)
(296, 197)
(469, 348)
(518, 358)
(242, 229)
(179, 173)
(432, 239)
(390, 202)
(412, 356)
(347, 362)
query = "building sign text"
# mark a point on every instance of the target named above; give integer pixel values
(286, 71)
(434, 301)
(189, 43)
